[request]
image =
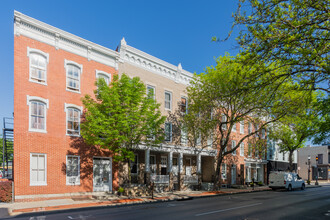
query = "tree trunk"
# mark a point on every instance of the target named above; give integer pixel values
(217, 178)
(290, 160)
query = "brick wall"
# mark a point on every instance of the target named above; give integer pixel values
(55, 143)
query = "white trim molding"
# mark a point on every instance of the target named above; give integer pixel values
(41, 183)
(36, 98)
(68, 105)
(40, 31)
(100, 72)
(80, 66)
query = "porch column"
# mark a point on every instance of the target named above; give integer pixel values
(169, 170)
(180, 176)
(199, 170)
(147, 167)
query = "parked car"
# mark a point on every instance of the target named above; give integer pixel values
(285, 180)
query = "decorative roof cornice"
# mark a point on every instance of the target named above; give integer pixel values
(30, 27)
(137, 57)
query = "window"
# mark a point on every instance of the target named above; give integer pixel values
(234, 128)
(151, 92)
(168, 100)
(224, 122)
(134, 165)
(103, 75)
(210, 140)
(241, 149)
(168, 132)
(224, 171)
(73, 71)
(38, 165)
(250, 150)
(242, 127)
(72, 170)
(37, 115)
(283, 156)
(263, 133)
(233, 145)
(72, 119)
(184, 105)
(250, 128)
(184, 136)
(38, 65)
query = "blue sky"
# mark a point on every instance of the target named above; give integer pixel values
(176, 31)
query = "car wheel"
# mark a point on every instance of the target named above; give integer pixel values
(302, 186)
(290, 188)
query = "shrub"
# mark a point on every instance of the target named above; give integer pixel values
(5, 191)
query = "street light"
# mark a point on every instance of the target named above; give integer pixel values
(309, 170)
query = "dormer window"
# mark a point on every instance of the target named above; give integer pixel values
(38, 66)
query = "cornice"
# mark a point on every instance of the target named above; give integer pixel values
(32, 28)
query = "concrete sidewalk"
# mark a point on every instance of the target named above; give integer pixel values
(12, 209)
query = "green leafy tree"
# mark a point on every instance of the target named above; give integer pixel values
(291, 33)
(323, 134)
(292, 131)
(225, 96)
(121, 118)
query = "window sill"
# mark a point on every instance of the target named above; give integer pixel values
(71, 184)
(38, 131)
(71, 90)
(38, 184)
(73, 135)
(36, 81)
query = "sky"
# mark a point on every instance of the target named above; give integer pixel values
(177, 31)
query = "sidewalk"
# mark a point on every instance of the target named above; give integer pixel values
(12, 209)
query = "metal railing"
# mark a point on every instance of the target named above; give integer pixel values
(190, 179)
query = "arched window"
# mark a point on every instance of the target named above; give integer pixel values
(103, 75)
(73, 72)
(38, 65)
(73, 113)
(37, 115)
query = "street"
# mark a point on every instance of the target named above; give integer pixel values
(312, 203)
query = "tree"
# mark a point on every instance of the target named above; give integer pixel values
(224, 96)
(122, 117)
(323, 134)
(292, 131)
(291, 33)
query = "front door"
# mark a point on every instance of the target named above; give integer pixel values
(233, 174)
(163, 165)
(188, 166)
(102, 172)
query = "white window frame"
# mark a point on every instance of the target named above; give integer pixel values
(170, 131)
(233, 144)
(100, 72)
(30, 99)
(249, 128)
(77, 178)
(80, 66)
(184, 136)
(66, 107)
(38, 183)
(224, 171)
(183, 97)
(137, 165)
(170, 93)
(241, 127)
(31, 51)
(224, 120)
(241, 149)
(250, 149)
(234, 129)
(154, 89)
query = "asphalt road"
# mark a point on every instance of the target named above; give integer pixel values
(312, 203)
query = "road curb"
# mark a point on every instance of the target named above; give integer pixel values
(183, 198)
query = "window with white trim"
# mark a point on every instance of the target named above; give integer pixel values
(224, 122)
(38, 169)
(250, 128)
(233, 145)
(184, 105)
(168, 131)
(73, 121)
(234, 128)
(168, 100)
(37, 113)
(250, 150)
(263, 133)
(242, 127)
(224, 171)
(38, 61)
(72, 170)
(103, 75)
(151, 92)
(241, 149)
(73, 73)
(184, 136)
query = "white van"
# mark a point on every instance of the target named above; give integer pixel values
(285, 180)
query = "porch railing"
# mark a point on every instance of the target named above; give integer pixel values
(164, 179)
(190, 179)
